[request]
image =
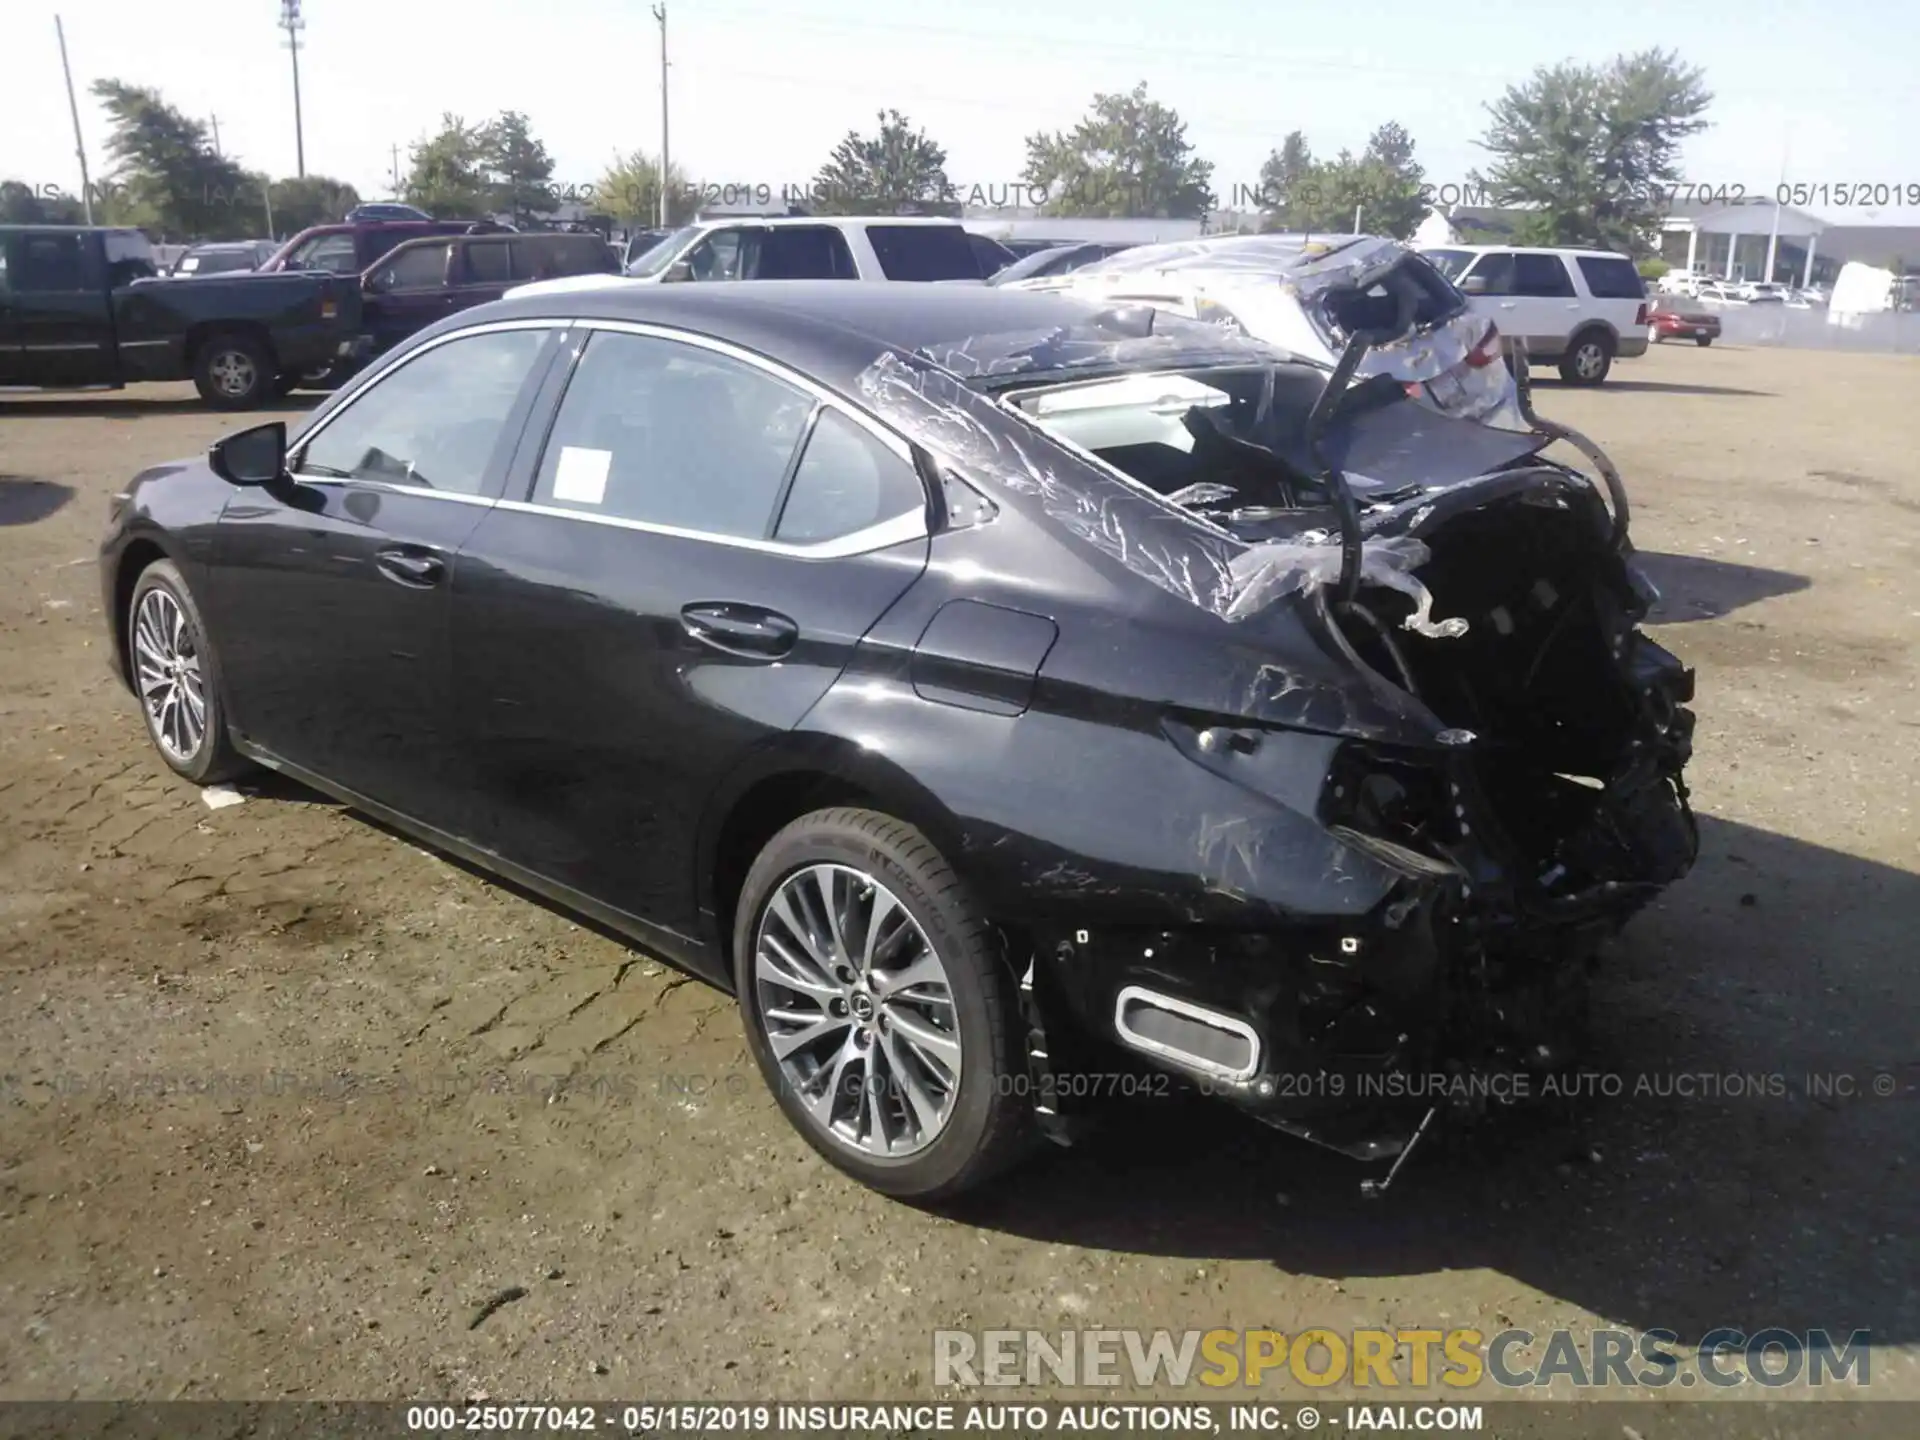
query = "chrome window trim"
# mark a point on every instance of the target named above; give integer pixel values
(879, 536)
(459, 497)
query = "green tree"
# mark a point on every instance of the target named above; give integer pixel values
(1129, 157)
(1283, 179)
(1593, 151)
(898, 170)
(1383, 185)
(448, 174)
(519, 170)
(629, 191)
(164, 173)
(310, 200)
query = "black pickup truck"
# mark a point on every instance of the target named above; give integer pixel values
(82, 307)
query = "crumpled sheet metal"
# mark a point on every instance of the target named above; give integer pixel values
(1266, 572)
(1172, 549)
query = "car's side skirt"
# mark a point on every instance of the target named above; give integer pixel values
(687, 952)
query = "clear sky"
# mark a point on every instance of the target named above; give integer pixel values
(762, 89)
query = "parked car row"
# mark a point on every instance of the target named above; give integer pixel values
(990, 686)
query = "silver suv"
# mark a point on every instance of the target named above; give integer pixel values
(1578, 309)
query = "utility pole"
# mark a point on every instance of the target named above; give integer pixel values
(79, 145)
(394, 151)
(216, 135)
(666, 152)
(291, 22)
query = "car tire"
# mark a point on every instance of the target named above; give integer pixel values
(233, 371)
(1703, 341)
(1589, 358)
(176, 678)
(903, 1126)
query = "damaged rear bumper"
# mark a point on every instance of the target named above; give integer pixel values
(1469, 976)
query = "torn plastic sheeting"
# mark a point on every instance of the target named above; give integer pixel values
(1203, 493)
(1274, 569)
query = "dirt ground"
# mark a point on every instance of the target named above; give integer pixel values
(281, 1099)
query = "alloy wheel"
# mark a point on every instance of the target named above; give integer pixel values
(1589, 359)
(232, 372)
(858, 1011)
(168, 675)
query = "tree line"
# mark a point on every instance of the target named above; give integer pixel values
(1586, 155)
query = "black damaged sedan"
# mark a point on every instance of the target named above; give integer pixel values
(990, 690)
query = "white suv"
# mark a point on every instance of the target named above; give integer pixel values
(809, 247)
(1575, 308)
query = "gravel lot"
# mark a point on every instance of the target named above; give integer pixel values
(286, 1102)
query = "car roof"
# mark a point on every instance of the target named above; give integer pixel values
(838, 221)
(833, 331)
(1535, 250)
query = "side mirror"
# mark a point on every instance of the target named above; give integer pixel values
(376, 283)
(251, 457)
(1474, 285)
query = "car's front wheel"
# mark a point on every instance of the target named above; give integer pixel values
(1588, 359)
(177, 678)
(1703, 341)
(877, 1006)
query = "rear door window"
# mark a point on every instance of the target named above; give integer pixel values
(803, 252)
(1543, 276)
(488, 262)
(924, 252)
(423, 268)
(674, 435)
(848, 480)
(1612, 277)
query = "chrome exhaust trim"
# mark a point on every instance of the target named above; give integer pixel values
(1205, 1042)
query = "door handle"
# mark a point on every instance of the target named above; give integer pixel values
(421, 569)
(747, 630)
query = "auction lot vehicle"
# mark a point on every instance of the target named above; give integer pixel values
(354, 247)
(1054, 260)
(824, 247)
(1668, 321)
(988, 688)
(1578, 309)
(81, 307)
(1311, 296)
(421, 281)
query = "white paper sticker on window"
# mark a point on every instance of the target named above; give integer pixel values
(581, 476)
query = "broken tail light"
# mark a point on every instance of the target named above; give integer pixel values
(1487, 351)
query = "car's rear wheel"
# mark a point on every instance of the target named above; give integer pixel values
(177, 678)
(1588, 358)
(877, 1007)
(1703, 341)
(233, 371)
